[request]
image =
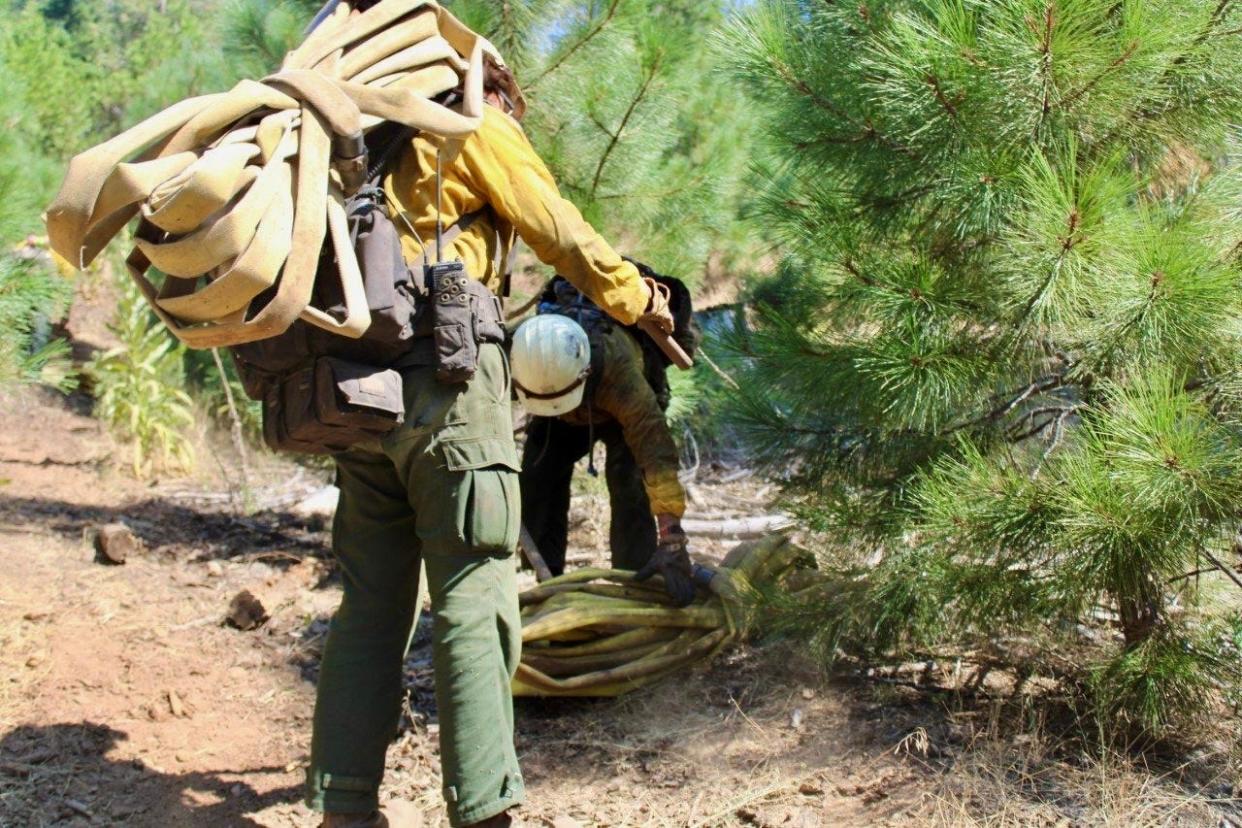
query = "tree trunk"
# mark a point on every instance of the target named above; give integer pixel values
(1140, 615)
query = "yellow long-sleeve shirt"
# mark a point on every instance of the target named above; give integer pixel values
(623, 394)
(498, 167)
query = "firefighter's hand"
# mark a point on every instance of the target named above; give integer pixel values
(658, 311)
(672, 561)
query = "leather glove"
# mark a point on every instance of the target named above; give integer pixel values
(658, 312)
(672, 561)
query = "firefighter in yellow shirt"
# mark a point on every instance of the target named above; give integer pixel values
(587, 379)
(443, 488)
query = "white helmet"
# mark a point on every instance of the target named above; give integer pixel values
(551, 357)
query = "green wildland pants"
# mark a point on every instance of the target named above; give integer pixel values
(443, 490)
(553, 447)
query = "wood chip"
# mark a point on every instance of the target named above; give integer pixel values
(79, 808)
(114, 544)
(175, 705)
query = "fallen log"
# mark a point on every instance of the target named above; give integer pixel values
(741, 528)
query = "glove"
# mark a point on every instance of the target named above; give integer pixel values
(671, 560)
(658, 312)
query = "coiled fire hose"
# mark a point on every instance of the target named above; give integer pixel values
(238, 192)
(597, 632)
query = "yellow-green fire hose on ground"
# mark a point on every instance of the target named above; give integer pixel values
(597, 632)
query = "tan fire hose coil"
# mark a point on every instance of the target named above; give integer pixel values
(236, 192)
(598, 632)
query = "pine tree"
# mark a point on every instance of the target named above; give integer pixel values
(1000, 360)
(257, 34)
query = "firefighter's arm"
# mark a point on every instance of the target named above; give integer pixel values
(625, 394)
(501, 163)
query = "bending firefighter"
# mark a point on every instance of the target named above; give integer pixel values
(585, 378)
(443, 487)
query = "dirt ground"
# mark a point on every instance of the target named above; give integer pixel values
(124, 699)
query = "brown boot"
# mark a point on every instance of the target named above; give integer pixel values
(395, 815)
(372, 820)
(502, 820)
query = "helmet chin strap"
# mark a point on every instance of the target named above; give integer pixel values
(555, 395)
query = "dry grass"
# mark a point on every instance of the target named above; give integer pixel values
(1026, 781)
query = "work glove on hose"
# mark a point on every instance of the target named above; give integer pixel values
(671, 560)
(659, 313)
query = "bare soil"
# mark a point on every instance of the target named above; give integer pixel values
(125, 698)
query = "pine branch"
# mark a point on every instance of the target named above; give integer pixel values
(1045, 64)
(853, 270)
(582, 41)
(799, 85)
(1016, 398)
(822, 140)
(1016, 435)
(1193, 574)
(1057, 435)
(1228, 571)
(600, 125)
(1218, 15)
(720, 372)
(682, 186)
(625, 119)
(941, 98)
(1068, 243)
(903, 198)
(1222, 9)
(1069, 99)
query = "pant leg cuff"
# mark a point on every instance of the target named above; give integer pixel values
(332, 794)
(477, 813)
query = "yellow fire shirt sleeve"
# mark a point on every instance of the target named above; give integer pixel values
(502, 164)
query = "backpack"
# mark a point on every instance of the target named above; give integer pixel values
(324, 393)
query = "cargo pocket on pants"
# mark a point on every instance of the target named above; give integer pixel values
(493, 510)
(491, 517)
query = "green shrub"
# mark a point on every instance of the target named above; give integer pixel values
(30, 298)
(140, 389)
